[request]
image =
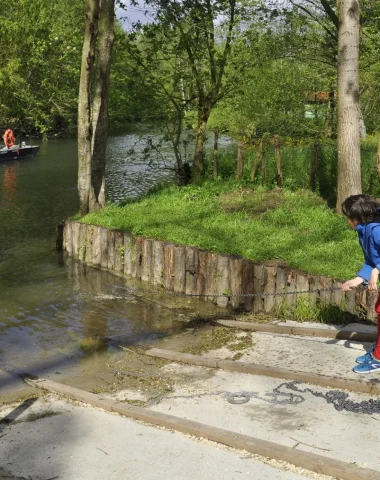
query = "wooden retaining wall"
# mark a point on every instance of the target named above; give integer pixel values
(190, 270)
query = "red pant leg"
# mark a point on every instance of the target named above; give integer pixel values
(376, 353)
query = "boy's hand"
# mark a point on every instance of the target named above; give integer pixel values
(355, 282)
(372, 285)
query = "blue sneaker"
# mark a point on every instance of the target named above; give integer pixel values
(363, 358)
(370, 365)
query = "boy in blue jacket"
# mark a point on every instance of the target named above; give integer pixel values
(363, 215)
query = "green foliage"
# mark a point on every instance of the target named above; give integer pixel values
(300, 231)
(296, 164)
(40, 64)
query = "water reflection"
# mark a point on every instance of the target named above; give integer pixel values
(55, 319)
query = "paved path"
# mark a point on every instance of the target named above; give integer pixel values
(82, 443)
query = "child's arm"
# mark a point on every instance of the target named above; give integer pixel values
(355, 282)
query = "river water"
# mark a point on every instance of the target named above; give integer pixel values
(56, 317)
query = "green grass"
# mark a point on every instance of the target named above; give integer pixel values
(225, 217)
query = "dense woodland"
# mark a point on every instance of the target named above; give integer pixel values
(262, 71)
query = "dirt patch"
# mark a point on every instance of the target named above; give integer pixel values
(252, 202)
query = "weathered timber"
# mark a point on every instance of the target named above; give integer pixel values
(266, 371)
(301, 331)
(310, 461)
(118, 266)
(190, 270)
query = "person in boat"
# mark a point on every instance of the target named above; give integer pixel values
(9, 138)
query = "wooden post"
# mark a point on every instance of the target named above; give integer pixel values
(259, 155)
(314, 167)
(278, 160)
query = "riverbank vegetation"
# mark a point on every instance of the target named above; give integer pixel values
(229, 217)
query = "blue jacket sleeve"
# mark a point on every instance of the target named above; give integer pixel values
(376, 243)
(365, 272)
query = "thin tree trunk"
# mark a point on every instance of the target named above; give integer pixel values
(330, 120)
(314, 167)
(240, 161)
(259, 155)
(349, 174)
(378, 158)
(278, 160)
(264, 168)
(93, 104)
(215, 153)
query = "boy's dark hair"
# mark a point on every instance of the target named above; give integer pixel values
(361, 208)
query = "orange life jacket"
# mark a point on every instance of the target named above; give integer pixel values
(9, 138)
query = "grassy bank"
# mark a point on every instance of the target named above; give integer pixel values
(225, 217)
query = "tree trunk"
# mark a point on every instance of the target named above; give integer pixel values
(240, 161)
(314, 167)
(278, 160)
(198, 163)
(215, 153)
(349, 175)
(93, 103)
(259, 155)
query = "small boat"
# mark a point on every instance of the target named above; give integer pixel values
(18, 151)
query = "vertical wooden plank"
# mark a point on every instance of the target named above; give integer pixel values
(248, 286)
(201, 273)
(89, 240)
(236, 275)
(147, 257)
(269, 288)
(82, 242)
(111, 250)
(338, 296)
(168, 279)
(314, 284)
(222, 280)
(75, 239)
(302, 285)
(291, 286)
(104, 253)
(68, 238)
(258, 284)
(128, 254)
(211, 276)
(191, 269)
(281, 284)
(158, 262)
(96, 247)
(119, 253)
(137, 257)
(179, 269)
(369, 300)
(325, 296)
(350, 301)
